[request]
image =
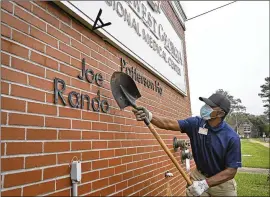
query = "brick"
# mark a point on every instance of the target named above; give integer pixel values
(66, 192)
(80, 47)
(41, 83)
(114, 162)
(76, 25)
(5, 31)
(4, 88)
(3, 149)
(27, 67)
(6, 5)
(35, 21)
(58, 34)
(69, 135)
(121, 186)
(51, 75)
(14, 148)
(90, 43)
(120, 136)
(49, 98)
(106, 118)
(43, 37)
(100, 183)
(120, 169)
(28, 41)
(12, 192)
(83, 189)
(8, 164)
(86, 166)
(106, 153)
(90, 135)
(83, 85)
(41, 134)
(5, 59)
(81, 145)
(14, 22)
(42, 4)
(90, 155)
(69, 112)
(99, 145)
(68, 30)
(11, 133)
(3, 118)
(24, 4)
(98, 57)
(24, 92)
(14, 49)
(56, 147)
(12, 104)
(99, 126)
(40, 161)
(90, 115)
(106, 136)
(114, 144)
(58, 12)
(57, 54)
(63, 183)
(45, 16)
(100, 164)
(77, 124)
(69, 50)
(14, 76)
(43, 60)
(56, 171)
(106, 172)
(25, 120)
(41, 109)
(57, 122)
(119, 120)
(67, 157)
(69, 70)
(39, 189)
(115, 179)
(120, 152)
(76, 63)
(113, 127)
(22, 178)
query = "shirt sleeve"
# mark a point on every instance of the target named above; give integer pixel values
(187, 125)
(233, 155)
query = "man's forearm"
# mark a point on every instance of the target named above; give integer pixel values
(221, 177)
(165, 123)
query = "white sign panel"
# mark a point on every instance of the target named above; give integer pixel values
(143, 30)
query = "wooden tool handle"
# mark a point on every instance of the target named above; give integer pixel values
(166, 149)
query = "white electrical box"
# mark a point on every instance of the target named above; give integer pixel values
(76, 171)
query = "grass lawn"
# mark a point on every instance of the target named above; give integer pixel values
(260, 155)
(252, 184)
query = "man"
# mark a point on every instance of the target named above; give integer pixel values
(215, 146)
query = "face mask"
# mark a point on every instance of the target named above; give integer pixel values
(206, 111)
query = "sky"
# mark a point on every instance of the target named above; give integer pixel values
(227, 49)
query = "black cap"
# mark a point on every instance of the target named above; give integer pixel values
(218, 100)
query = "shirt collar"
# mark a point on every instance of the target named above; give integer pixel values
(216, 128)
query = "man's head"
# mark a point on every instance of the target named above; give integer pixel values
(217, 106)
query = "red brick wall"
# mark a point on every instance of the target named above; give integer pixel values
(119, 155)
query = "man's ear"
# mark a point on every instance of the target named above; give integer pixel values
(221, 114)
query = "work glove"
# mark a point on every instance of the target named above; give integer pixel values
(198, 187)
(142, 113)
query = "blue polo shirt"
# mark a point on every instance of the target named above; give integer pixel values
(218, 149)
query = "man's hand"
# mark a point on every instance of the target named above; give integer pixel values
(198, 187)
(142, 113)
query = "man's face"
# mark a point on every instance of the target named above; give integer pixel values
(217, 113)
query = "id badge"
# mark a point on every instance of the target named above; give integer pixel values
(203, 131)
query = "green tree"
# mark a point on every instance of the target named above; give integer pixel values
(236, 103)
(265, 95)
